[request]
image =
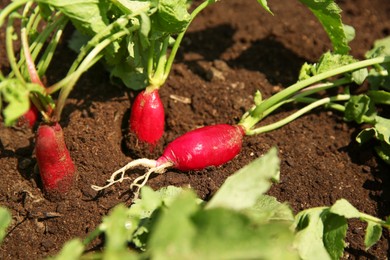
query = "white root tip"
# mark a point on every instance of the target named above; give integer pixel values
(147, 163)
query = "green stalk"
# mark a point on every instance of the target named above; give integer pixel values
(258, 113)
(297, 114)
(11, 8)
(308, 91)
(68, 83)
(47, 56)
(34, 77)
(39, 42)
(336, 107)
(179, 38)
(157, 79)
(10, 49)
(120, 22)
(151, 57)
(369, 218)
(91, 236)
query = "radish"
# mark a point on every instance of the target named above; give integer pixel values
(147, 118)
(29, 118)
(56, 167)
(203, 147)
(200, 148)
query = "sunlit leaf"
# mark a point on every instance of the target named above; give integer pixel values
(243, 189)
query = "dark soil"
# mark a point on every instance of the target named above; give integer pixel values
(231, 50)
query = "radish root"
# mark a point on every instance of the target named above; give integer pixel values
(147, 163)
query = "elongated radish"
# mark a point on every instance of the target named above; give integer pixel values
(195, 150)
(203, 147)
(56, 168)
(147, 120)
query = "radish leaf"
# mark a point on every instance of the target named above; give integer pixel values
(379, 96)
(335, 230)
(172, 16)
(174, 229)
(86, 15)
(328, 13)
(72, 249)
(359, 109)
(5, 220)
(265, 5)
(267, 209)
(379, 75)
(243, 189)
(310, 230)
(373, 234)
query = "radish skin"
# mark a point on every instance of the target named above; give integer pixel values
(198, 149)
(29, 118)
(56, 167)
(203, 147)
(147, 117)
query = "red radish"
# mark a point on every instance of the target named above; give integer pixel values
(29, 118)
(195, 150)
(56, 168)
(203, 147)
(147, 117)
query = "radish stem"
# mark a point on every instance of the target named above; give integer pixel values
(297, 114)
(255, 115)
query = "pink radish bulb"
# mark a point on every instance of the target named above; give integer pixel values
(29, 118)
(147, 117)
(56, 167)
(204, 147)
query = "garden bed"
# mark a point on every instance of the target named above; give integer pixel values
(231, 50)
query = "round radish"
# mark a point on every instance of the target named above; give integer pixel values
(147, 117)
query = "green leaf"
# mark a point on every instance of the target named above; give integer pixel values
(309, 231)
(72, 249)
(5, 220)
(365, 135)
(381, 48)
(379, 96)
(117, 230)
(140, 218)
(330, 61)
(328, 14)
(335, 231)
(172, 16)
(226, 234)
(359, 76)
(132, 7)
(373, 234)
(243, 188)
(382, 127)
(358, 109)
(265, 5)
(343, 208)
(267, 209)
(383, 151)
(86, 15)
(173, 231)
(16, 95)
(380, 131)
(379, 76)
